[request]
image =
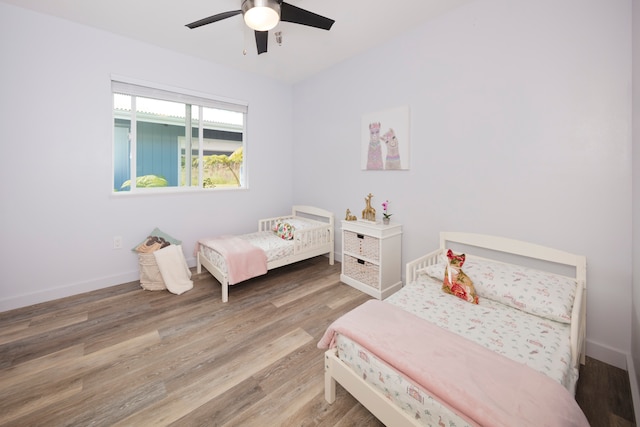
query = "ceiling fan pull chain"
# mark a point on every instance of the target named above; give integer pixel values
(244, 43)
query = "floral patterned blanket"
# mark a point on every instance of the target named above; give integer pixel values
(485, 388)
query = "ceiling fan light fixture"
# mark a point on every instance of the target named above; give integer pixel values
(261, 15)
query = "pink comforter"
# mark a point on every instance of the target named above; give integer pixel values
(244, 260)
(483, 387)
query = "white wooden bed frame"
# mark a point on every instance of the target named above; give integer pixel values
(307, 243)
(380, 406)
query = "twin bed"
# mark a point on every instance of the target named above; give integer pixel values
(425, 357)
(306, 233)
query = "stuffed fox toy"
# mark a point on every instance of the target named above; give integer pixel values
(456, 282)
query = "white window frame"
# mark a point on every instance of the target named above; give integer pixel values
(136, 87)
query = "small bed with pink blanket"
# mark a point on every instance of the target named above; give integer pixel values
(424, 357)
(308, 232)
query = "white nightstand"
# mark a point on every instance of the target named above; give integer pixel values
(372, 257)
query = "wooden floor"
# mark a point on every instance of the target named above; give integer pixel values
(123, 356)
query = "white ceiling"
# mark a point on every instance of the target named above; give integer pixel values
(360, 24)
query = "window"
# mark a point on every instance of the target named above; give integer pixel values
(167, 138)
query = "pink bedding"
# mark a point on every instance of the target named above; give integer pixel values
(244, 260)
(481, 386)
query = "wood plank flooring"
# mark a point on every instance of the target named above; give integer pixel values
(123, 356)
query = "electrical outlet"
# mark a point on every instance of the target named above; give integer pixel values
(117, 242)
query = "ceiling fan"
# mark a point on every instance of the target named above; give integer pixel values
(263, 15)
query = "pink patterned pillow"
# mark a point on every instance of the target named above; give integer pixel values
(284, 230)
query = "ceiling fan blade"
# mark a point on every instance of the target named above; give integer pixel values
(290, 13)
(261, 41)
(214, 18)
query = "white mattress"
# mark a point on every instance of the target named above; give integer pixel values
(539, 343)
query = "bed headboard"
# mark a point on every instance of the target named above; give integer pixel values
(530, 251)
(313, 213)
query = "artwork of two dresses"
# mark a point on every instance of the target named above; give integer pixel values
(385, 140)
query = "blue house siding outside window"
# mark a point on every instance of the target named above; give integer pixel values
(157, 154)
(158, 151)
(121, 149)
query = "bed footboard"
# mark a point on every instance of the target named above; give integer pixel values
(367, 395)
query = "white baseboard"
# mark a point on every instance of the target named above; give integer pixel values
(66, 291)
(635, 391)
(606, 354)
(25, 300)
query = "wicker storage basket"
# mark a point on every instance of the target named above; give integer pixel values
(366, 246)
(362, 271)
(150, 277)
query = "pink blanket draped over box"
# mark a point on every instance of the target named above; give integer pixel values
(244, 260)
(483, 387)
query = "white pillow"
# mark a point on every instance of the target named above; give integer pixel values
(301, 223)
(533, 291)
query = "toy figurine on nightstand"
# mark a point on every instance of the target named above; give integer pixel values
(369, 213)
(349, 217)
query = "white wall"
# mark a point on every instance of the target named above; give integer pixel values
(521, 127)
(57, 217)
(635, 315)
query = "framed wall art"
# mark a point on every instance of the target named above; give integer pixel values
(385, 140)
